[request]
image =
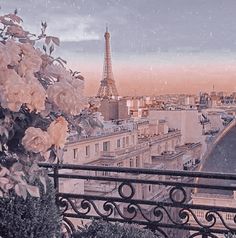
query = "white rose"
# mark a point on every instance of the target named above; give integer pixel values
(65, 97)
(58, 132)
(5, 58)
(57, 71)
(13, 91)
(37, 94)
(31, 60)
(36, 140)
(16, 31)
(14, 51)
(46, 60)
(38, 97)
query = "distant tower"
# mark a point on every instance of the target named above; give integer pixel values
(107, 87)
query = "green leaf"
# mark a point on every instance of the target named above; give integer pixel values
(56, 40)
(4, 180)
(34, 168)
(48, 40)
(23, 191)
(51, 49)
(16, 167)
(59, 153)
(33, 190)
(3, 171)
(6, 133)
(9, 186)
(52, 157)
(43, 181)
(62, 60)
(44, 48)
(18, 190)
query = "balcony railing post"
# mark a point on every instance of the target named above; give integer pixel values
(56, 178)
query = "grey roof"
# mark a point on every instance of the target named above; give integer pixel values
(222, 159)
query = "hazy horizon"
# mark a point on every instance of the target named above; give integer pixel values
(158, 46)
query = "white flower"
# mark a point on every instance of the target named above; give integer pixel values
(38, 97)
(5, 58)
(36, 140)
(58, 72)
(73, 89)
(37, 94)
(65, 97)
(16, 31)
(46, 60)
(13, 91)
(14, 51)
(31, 61)
(58, 131)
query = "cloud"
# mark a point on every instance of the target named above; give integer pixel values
(73, 28)
(63, 18)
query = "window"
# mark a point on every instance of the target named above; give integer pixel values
(173, 144)
(96, 148)
(87, 150)
(118, 143)
(138, 161)
(123, 142)
(127, 140)
(106, 146)
(131, 163)
(133, 141)
(105, 173)
(76, 153)
(229, 216)
(120, 164)
(166, 146)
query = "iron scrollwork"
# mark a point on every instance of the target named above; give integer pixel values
(165, 216)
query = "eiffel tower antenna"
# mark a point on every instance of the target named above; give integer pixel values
(107, 87)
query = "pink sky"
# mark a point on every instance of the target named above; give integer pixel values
(136, 79)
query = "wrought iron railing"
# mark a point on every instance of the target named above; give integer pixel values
(157, 199)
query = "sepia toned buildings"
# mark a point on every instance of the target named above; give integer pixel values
(131, 144)
(166, 133)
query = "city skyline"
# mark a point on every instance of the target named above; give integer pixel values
(157, 47)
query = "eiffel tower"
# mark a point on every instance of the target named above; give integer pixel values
(107, 87)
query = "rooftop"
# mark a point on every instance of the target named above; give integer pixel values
(222, 160)
(167, 155)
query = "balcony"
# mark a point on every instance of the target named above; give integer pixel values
(131, 149)
(161, 137)
(168, 202)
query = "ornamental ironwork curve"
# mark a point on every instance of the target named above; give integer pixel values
(170, 212)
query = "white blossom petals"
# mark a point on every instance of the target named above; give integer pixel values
(36, 140)
(58, 132)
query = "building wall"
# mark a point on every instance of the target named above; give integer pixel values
(122, 109)
(215, 121)
(112, 109)
(144, 129)
(187, 121)
(166, 144)
(213, 200)
(109, 109)
(171, 162)
(88, 150)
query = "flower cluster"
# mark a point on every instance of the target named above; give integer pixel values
(39, 141)
(39, 98)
